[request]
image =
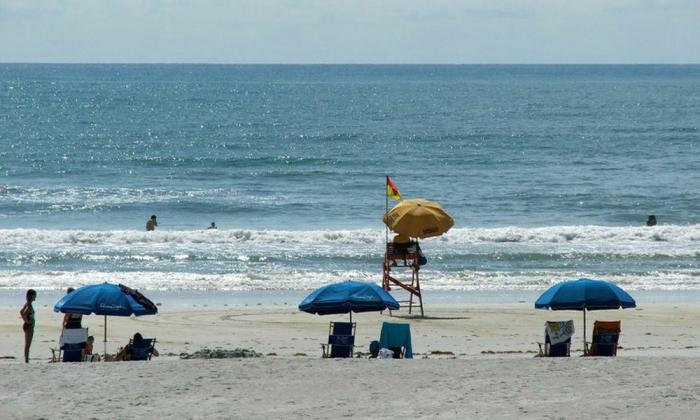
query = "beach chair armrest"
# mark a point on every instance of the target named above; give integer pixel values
(542, 348)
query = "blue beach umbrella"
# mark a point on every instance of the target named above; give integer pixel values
(584, 295)
(348, 297)
(106, 299)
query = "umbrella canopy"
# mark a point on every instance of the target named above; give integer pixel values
(418, 218)
(583, 295)
(342, 298)
(106, 299)
(586, 294)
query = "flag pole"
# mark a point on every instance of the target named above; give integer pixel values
(386, 213)
(386, 233)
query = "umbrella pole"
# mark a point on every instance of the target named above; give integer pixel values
(105, 338)
(584, 330)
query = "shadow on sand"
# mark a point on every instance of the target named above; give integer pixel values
(428, 317)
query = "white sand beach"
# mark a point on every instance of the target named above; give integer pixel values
(626, 387)
(470, 361)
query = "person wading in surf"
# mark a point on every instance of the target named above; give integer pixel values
(151, 223)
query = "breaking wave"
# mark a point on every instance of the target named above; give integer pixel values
(663, 257)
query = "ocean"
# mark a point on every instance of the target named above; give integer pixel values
(549, 172)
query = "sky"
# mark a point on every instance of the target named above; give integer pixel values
(350, 31)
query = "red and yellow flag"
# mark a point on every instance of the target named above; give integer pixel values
(392, 190)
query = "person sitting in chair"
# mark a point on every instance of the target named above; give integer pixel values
(124, 353)
(401, 239)
(87, 353)
(402, 244)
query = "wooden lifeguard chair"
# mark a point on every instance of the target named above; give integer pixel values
(403, 256)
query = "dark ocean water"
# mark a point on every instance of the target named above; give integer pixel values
(548, 171)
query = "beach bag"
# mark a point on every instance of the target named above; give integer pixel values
(92, 357)
(385, 353)
(374, 349)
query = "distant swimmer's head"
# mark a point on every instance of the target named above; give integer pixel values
(213, 224)
(153, 217)
(651, 221)
(70, 289)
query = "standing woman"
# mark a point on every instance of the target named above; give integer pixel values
(27, 314)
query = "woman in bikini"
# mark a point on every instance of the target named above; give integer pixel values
(27, 314)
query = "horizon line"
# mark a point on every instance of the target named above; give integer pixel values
(340, 64)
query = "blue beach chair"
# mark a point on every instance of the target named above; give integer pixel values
(561, 348)
(142, 349)
(341, 340)
(606, 335)
(397, 337)
(71, 346)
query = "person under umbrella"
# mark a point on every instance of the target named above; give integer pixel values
(106, 299)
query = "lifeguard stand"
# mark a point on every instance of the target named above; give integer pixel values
(401, 256)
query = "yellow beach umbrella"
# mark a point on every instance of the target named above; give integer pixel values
(418, 218)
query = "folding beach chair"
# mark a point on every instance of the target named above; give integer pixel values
(397, 338)
(606, 334)
(71, 346)
(341, 340)
(142, 349)
(557, 339)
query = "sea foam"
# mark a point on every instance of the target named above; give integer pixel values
(663, 257)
